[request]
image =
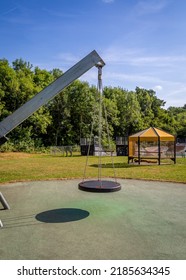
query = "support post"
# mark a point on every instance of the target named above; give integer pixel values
(175, 150)
(100, 90)
(1, 224)
(4, 202)
(159, 150)
(139, 154)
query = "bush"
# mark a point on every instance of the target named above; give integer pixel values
(7, 147)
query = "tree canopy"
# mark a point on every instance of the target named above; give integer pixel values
(68, 117)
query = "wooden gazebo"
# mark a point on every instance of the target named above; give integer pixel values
(151, 144)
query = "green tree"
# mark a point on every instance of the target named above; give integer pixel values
(17, 85)
(178, 114)
(69, 116)
(152, 111)
(56, 73)
(8, 89)
(129, 119)
(71, 113)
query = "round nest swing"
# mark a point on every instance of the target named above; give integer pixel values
(99, 185)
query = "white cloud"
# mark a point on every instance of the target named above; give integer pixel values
(139, 57)
(57, 13)
(134, 77)
(108, 1)
(158, 88)
(62, 61)
(150, 6)
(68, 57)
(131, 68)
(9, 11)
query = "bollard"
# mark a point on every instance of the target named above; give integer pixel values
(4, 202)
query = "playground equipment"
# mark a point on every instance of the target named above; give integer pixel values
(48, 93)
(99, 185)
(1, 224)
(152, 144)
(42, 98)
(4, 202)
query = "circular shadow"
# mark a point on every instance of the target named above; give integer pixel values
(62, 215)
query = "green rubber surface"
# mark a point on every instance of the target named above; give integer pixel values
(56, 220)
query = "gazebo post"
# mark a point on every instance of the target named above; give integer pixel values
(139, 159)
(159, 151)
(175, 150)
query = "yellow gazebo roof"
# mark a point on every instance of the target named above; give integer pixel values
(152, 134)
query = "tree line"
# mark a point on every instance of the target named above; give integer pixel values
(69, 116)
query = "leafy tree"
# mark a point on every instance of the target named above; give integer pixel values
(69, 116)
(71, 113)
(17, 85)
(179, 116)
(129, 117)
(42, 78)
(56, 73)
(8, 88)
(21, 65)
(152, 111)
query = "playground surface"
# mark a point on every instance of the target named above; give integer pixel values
(55, 220)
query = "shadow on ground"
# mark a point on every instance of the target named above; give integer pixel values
(62, 215)
(116, 165)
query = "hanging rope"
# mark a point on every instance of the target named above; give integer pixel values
(109, 141)
(100, 130)
(89, 144)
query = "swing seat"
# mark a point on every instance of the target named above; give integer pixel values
(99, 186)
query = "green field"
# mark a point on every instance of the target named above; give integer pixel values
(23, 167)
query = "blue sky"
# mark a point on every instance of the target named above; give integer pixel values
(143, 42)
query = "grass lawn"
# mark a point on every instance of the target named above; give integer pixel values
(22, 167)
